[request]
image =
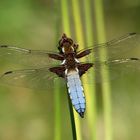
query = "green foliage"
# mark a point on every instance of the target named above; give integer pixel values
(112, 108)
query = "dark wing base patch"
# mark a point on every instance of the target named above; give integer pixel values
(84, 67)
(60, 71)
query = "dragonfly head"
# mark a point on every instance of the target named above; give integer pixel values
(66, 45)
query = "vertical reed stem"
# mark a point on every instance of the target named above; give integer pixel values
(104, 73)
(90, 90)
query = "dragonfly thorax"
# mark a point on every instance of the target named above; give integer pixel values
(67, 49)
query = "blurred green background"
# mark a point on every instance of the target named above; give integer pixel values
(27, 114)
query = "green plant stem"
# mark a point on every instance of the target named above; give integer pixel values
(72, 119)
(90, 90)
(104, 73)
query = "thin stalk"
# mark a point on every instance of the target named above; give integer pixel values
(104, 73)
(91, 92)
(57, 131)
(66, 29)
(72, 119)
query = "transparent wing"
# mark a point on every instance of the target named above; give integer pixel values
(126, 46)
(40, 78)
(26, 57)
(116, 68)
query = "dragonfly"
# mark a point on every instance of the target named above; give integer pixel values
(66, 64)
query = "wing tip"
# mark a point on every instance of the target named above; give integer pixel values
(8, 72)
(134, 58)
(133, 33)
(3, 46)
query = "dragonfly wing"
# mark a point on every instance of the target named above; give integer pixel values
(115, 68)
(123, 67)
(40, 78)
(26, 57)
(127, 45)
